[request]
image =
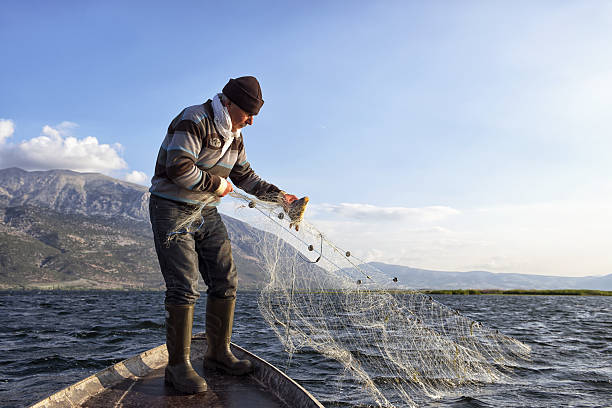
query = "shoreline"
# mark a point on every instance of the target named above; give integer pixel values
(456, 292)
(520, 292)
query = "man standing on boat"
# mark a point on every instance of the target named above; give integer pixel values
(203, 147)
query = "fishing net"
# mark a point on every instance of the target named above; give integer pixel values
(398, 345)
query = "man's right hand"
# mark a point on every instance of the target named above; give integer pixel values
(224, 188)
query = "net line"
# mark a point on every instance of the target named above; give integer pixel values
(396, 345)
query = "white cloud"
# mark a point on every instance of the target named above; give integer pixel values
(7, 128)
(137, 177)
(380, 214)
(56, 148)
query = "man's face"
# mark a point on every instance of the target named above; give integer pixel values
(239, 117)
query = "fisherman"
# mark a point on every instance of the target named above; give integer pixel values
(203, 147)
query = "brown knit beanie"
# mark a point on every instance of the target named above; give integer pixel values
(246, 93)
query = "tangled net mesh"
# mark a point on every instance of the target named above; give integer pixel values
(398, 345)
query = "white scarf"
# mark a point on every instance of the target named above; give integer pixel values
(223, 123)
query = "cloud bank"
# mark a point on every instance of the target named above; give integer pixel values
(57, 148)
(382, 214)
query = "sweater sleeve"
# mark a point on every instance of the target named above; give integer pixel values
(243, 176)
(182, 153)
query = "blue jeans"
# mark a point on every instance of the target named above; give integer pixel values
(205, 252)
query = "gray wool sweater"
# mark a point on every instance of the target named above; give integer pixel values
(190, 160)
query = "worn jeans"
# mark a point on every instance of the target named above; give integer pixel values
(206, 251)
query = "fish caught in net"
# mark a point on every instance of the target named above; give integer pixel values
(398, 345)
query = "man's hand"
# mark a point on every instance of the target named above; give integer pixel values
(287, 200)
(224, 188)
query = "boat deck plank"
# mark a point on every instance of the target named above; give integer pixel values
(224, 391)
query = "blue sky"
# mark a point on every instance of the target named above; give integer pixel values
(453, 135)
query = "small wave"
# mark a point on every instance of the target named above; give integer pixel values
(466, 401)
(149, 324)
(46, 305)
(87, 334)
(34, 366)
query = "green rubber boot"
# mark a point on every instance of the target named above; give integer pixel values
(219, 321)
(179, 372)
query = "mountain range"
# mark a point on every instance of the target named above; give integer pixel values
(429, 279)
(63, 229)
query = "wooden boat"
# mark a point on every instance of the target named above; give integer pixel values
(139, 382)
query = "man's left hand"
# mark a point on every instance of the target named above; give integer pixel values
(288, 199)
(295, 208)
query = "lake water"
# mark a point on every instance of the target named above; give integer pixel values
(52, 339)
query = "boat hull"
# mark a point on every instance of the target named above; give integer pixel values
(139, 382)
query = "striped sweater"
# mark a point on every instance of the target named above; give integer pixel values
(190, 161)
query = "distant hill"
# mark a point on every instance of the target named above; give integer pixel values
(428, 279)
